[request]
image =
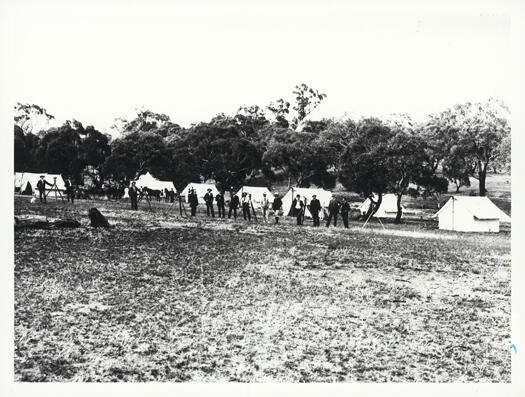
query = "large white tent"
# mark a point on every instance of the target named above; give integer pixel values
(257, 194)
(470, 214)
(201, 189)
(387, 209)
(30, 179)
(324, 196)
(149, 181)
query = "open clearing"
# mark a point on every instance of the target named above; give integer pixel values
(163, 298)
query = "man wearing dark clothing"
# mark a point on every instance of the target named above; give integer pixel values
(315, 207)
(333, 209)
(277, 207)
(194, 202)
(41, 187)
(208, 199)
(69, 190)
(219, 198)
(133, 193)
(345, 209)
(246, 201)
(234, 205)
(298, 209)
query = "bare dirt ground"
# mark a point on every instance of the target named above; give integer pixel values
(163, 298)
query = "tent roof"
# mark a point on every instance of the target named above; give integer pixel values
(256, 191)
(388, 203)
(479, 206)
(148, 180)
(309, 192)
(199, 187)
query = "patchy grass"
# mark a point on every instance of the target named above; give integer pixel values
(164, 298)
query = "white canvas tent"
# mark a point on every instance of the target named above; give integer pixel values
(257, 194)
(30, 179)
(470, 214)
(201, 189)
(18, 179)
(149, 181)
(387, 209)
(324, 196)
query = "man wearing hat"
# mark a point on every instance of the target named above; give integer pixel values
(265, 205)
(219, 198)
(245, 201)
(208, 199)
(277, 207)
(133, 193)
(194, 201)
(333, 209)
(298, 208)
(315, 207)
(41, 187)
(345, 209)
(69, 190)
(234, 205)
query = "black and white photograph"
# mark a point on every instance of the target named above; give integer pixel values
(262, 192)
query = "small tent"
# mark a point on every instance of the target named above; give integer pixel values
(324, 196)
(257, 194)
(30, 179)
(470, 214)
(149, 181)
(201, 189)
(387, 209)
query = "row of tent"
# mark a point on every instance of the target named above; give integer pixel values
(460, 213)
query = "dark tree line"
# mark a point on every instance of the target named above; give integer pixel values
(262, 146)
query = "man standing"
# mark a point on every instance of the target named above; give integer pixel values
(208, 199)
(277, 207)
(234, 205)
(41, 187)
(345, 209)
(298, 208)
(219, 198)
(69, 190)
(265, 205)
(333, 209)
(133, 193)
(315, 207)
(194, 201)
(245, 200)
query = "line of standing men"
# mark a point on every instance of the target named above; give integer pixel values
(298, 209)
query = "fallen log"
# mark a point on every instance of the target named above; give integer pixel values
(40, 223)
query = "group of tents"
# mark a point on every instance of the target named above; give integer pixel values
(460, 213)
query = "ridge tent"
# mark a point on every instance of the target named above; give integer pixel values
(324, 196)
(387, 209)
(149, 181)
(257, 194)
(30, 179)
(470, 214)
(201, 189)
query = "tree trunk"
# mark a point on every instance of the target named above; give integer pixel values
(374, 206)
(289, 182)
(399, 209)
(482, 175)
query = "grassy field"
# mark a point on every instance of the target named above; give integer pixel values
(163, 298)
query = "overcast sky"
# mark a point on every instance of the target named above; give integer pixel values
(95, 61)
